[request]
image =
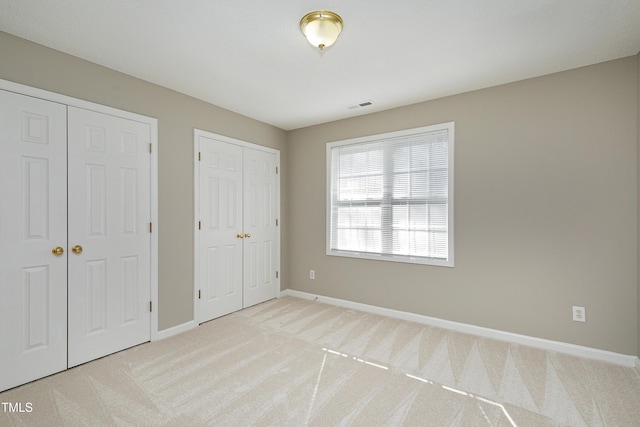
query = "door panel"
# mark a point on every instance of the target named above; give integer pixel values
(109, 216)
(33, 220)
(220, 248)
(260, 223)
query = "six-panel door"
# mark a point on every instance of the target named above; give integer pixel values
(220, 234)
(109, 216)
(33, 222)
(259, 223)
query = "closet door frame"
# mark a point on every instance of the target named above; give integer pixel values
(153, 128)
(197, 133)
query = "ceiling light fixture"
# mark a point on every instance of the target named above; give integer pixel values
(321, 28)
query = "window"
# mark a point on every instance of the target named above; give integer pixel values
(390, 196)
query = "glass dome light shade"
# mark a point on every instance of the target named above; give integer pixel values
(321, 28)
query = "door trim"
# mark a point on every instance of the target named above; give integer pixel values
(197, 133)
(153, 128)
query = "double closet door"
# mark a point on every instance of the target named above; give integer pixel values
(237, 244)
(74, 236)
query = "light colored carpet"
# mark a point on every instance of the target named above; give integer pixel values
(292, 362)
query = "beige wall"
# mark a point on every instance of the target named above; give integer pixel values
(34, 65)
(638, 174)
(545, 210)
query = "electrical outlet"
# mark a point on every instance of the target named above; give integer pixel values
(579, 314)
(312, 274)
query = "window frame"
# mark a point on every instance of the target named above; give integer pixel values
(449, 261)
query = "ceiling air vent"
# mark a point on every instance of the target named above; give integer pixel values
(360, 105)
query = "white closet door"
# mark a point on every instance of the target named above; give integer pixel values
(33, 221)
(109, 216)
(259, 226)
(221, 233)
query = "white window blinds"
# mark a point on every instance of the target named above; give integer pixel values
(389, 196)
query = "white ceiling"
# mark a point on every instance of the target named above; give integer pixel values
(250, 57)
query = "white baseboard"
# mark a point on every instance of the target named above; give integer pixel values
(561, 347)
(178, 329)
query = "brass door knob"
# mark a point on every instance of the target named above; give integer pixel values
(77, 249)
(57, 251)
(239, 236)
(247, 235)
